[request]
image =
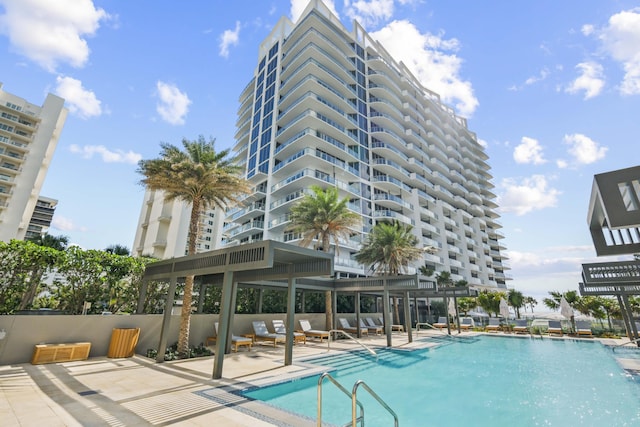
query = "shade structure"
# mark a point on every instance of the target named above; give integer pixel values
(565, 308)
(504, 308)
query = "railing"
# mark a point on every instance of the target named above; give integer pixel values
(637, 340)
(340, 331)
(354, 402)
(342, 389)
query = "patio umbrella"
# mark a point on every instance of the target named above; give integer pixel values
(565, 308)
(567, 311)
(452, 307)
(504, 309)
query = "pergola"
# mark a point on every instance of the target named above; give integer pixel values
(614, 223)
(619, 279)
(275, 264)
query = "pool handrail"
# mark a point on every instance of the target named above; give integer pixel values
(625, 343)
(429, 325)
(354, 402)
(328, 376)
(340, 331)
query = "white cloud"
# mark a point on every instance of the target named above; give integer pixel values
(298, 6)
(173, 105)
(621, 40)
(529, 151)
(108, 156)
(583, 149)
(65, 224)
(369, 12)
(51, 32)
(528, 195)
(591, 80)
(229, 38)
(544, 73)
(587, 29)
(81, 101)
(433, 61)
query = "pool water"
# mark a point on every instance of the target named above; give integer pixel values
(480, 381)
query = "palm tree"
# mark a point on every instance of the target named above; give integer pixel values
(515, 300)
(389, 249)
(322, 217)
(199, 176)
(58, 243)
(117, 249)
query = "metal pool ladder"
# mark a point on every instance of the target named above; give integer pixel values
(356, 420)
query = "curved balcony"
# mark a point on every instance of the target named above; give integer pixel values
(388, 214)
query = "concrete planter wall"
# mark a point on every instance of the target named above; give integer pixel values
(22, 332)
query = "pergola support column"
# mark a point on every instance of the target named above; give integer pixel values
(357, 307)
(386, 312)
(166, 318)
(407, 315)
(290, 321)
(227, 309)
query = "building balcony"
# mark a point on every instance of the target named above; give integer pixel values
(381, 214)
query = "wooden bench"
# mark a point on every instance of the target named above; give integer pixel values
(53, 353)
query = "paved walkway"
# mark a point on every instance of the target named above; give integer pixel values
(139, 392)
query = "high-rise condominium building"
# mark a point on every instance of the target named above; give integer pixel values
(163, 228)
(330, 107)
(28, 137)
(41, 217)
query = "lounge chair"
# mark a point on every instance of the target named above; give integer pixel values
(493, 326)
(278, 327)
(441, 323)
(555, 328)
(376, 329)
(236, 341)
(262, 333)
(466, 324)
(345, 326)
(521, 327)
(312, 333)
(393, 327)
(583, 328)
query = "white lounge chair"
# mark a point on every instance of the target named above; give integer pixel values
(376, 329)
(278, 327)
(521, 327)
(236, 341)
(494, 325)
(393, 327)
(583, 328)
(441, 323)
(345, 326)
(555, 328)
(312, 333)
(466, 324)
(262, 333)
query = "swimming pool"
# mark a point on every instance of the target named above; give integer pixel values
(481, 381)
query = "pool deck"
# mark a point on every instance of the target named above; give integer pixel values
(138, 392)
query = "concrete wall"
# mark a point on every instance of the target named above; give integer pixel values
(24, 331)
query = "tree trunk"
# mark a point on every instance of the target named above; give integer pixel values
(328, 310)
(396, 311)
(187, 297)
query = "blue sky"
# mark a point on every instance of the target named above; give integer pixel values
(552, 88)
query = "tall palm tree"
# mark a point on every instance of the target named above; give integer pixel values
(389, 249)
(322, 217)
(515, 300)
(203, 178)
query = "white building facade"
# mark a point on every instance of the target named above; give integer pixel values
(330, 107)
(28, 137)
(163, 228)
